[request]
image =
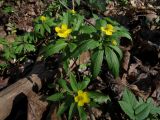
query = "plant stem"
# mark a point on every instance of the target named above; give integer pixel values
(73, 5)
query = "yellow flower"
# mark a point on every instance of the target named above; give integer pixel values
(73, 11)
(63, 31)
(43, 18)
(81, 98)
(108, 29)
(114, 42)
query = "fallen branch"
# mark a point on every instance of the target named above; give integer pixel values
(26, 85)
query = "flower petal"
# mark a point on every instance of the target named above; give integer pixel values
(64, 27)
(80, 103)
(76, 99)
(102, 29)
(62, 35)
(86, 98)
(68, 31)
(57, 29)
(109, 27)
(80, 93)
(108, 32)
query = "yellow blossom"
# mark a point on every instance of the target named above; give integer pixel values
(63, 31)
(73, 11)
(81, 98)
(108, 29)
(43, 18)
(114, 42)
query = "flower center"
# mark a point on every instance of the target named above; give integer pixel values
(62, 30)
(80, 98)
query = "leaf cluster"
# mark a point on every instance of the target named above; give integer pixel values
(138, 109)
(69, 90)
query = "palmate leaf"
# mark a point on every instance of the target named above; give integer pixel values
(54, 48)
(82, 113)
(129, 97)
(56, 97)
(96, 62)
(127, 108)
(86, 45)
(142, 111)
(73, 82)
(112, 60)
(28, 48)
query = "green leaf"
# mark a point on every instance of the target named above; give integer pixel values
(54, 48)
(82, 85)
(142, 111)
(78, 22)
(93, 104)
(111, 21)
(63, 107)
(88, 29)
(141, 107)
(37, 28)
(98, 97)
(65, 18)
(42, 30)
(96, 62)
(65, 66)
(123, 32)
(99, 4)
(100, 23)
(117, 50)
(86, 45)
(47, 28)
(50, 22)
(127, 108)
(112, 60)
(73, 82)
(71, 111)
(129, 97)
(3, 41)
(56, 97)
(63, 84)
(78, 2)
(82, 113)
(72, 46)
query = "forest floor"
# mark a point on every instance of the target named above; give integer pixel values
(139, 71)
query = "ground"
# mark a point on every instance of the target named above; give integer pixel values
(139, 71)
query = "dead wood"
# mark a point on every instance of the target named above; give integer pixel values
(26, 86)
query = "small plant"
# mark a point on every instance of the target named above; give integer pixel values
(138, 109)
(76, 98)
(8, 9)
(24, 44)
(102, 39)
(43, 24)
